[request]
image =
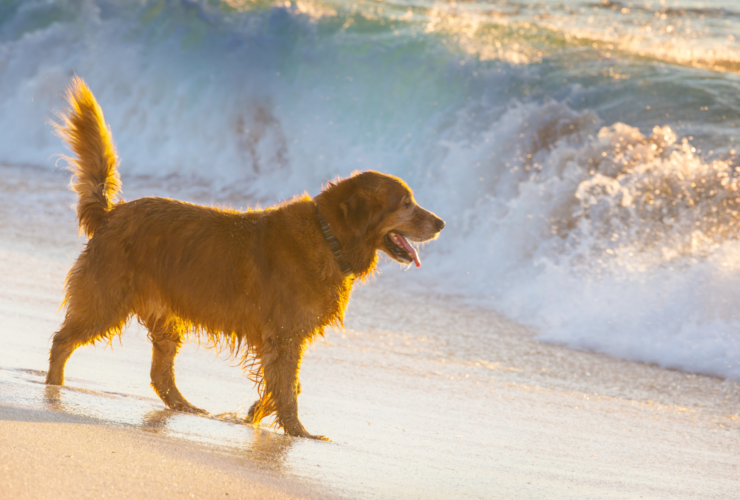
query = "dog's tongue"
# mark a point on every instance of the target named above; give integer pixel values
(411, 250)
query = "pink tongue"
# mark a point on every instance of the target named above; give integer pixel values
(406, 246)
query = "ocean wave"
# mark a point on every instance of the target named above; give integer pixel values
(601, 237)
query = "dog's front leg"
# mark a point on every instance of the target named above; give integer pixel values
(281, 362)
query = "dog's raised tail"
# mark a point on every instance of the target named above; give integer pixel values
(96, 180)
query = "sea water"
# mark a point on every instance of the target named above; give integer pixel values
(583, 153)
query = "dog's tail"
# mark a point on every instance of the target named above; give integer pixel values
(96, 180)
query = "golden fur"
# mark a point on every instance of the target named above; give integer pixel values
(262, 283)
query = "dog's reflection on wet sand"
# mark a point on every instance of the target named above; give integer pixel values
(52, 399)
(257, 444)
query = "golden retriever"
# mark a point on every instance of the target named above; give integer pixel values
(262, 283)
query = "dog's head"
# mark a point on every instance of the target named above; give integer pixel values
(380, 211)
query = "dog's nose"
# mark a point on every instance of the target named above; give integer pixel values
(440, 224)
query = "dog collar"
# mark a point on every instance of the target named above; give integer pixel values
(336, 247)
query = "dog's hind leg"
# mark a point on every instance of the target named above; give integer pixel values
(166, 343)
(73, 334)
(70, 336)
(85, 323)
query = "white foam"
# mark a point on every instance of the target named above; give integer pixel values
(604, 239)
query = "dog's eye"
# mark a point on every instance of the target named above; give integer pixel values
(407, 204)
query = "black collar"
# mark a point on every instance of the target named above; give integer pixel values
(336, 247)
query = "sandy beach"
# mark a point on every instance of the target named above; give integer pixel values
(423, 397)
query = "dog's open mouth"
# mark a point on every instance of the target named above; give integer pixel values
(401, 249)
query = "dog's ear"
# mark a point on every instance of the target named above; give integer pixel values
(358, 211)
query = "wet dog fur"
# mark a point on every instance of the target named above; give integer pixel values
(260, 283)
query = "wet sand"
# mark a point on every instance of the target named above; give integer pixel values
(423, 396)
(50, 454)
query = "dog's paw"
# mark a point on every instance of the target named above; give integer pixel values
(318, 438)
(309, 436)
(294, 428)
(186, 407)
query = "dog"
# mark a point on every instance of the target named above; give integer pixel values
(260, 283)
